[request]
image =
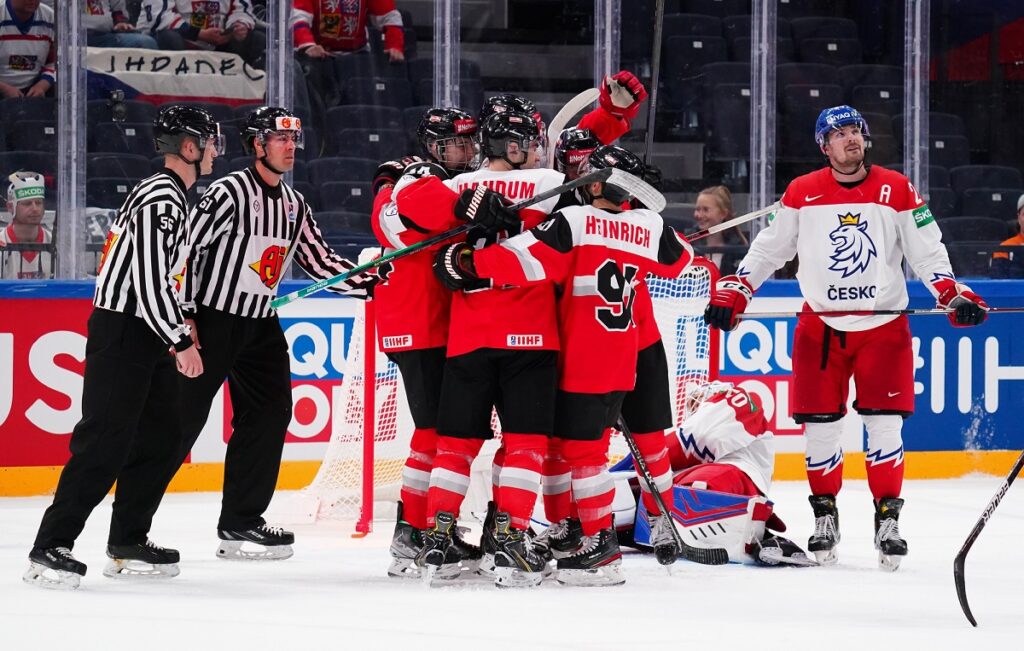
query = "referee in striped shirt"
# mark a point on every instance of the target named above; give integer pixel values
(131, 429)
(242, 236)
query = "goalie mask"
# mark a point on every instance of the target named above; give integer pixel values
(611, 156)
(698, 393)
(448, 137)
(175, 123)
(574, 147)
(509, 130)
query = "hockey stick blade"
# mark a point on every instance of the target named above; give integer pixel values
(701, 555)
(566, 113)
(643, 191)
(597, 176)
(961, 557)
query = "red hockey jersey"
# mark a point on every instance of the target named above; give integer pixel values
(499, 317)
(412, 307)
(340, 25)
(598, 258)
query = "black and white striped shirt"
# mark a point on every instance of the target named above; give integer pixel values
(143, 253)
(240, 240)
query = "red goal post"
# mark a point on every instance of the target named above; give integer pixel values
(364, 459)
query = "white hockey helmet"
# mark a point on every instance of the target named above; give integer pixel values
(25, 185)
(698, 393)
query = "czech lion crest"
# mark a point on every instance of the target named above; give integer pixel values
(853, 246)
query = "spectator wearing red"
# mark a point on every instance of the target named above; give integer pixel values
(28, 54)
(324, 27)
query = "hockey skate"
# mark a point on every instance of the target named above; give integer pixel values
(406, 542)
(143, 560)
(469, 555)
(776, 550)
(54, 568)
(438, 560)
(516, 563)
(890, 545)
(662, 540)
(275, 543)
(597, 562)
(488, 545)
(560, 539)
(825, 540)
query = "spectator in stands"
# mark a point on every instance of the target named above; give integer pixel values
(221, 25)
(325, 27)
(107, 25)
(26, 203)
(28, 54)
(1007, 264)
(714, 206)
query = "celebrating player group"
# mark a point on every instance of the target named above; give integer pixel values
(538, 313)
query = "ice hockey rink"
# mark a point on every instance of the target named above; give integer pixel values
(334, 592)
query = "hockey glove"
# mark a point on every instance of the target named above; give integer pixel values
(453, 266)
(729, 299)
(968, 309)
(621, 95)
(390, 171)
(487, 208)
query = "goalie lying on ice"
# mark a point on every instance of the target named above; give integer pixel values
(722, 457)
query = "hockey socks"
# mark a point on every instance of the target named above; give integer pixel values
(416, 476)
(592, 486)
(655, 452)
(556, 482)
(449, 479)
(884, 460)
(824, 458)
(520, 476)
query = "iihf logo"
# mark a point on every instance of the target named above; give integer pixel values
(853, 246)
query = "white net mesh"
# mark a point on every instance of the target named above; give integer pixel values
(337, 489)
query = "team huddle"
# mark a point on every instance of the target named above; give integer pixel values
(537, 310)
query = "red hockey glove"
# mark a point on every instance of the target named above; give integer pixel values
(390, 171)
(729, 299)
(968, 309)
(453, 266)
(621, 95)
(487, 208)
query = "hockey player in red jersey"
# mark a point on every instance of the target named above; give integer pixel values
(595, 253)
(852, 225)
(502, 343)
(412, 312)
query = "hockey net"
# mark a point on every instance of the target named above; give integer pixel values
(359, 470)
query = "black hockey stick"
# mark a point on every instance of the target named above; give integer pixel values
(652, 100)
(702, 555)
(912, 311)
(637, 187)
(961, 557)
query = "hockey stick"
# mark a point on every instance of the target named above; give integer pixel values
(732, 223)
(961, 557)
(652, 101)
(907, 311)
(567, 112)
(704, 556)
(637, 187)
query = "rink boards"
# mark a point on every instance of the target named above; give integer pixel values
(968, 385)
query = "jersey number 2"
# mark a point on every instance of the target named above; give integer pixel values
(616, 288)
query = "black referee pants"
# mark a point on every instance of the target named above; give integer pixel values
(253, 355)
(130, 431)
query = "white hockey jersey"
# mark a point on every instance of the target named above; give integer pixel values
(730, 428)
(158, 15)
(27, 49)
(851, 243)
(25, 265)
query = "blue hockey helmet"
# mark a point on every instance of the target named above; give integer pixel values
(835, 118)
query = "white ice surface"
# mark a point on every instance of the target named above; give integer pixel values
(334, 592)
